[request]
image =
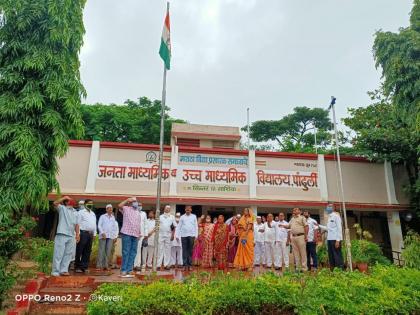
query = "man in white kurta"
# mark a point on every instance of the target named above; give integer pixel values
(282, 249)
(143, 232)
(269, 240)
(166, 229)
(176, 249)
(148, 251)
(259, 249)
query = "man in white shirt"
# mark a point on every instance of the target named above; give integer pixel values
(188, 230)
(176, 249)
(148, 251)
(108, 234)
(143, 233)
(259, 249)
(311, 243)
(87, 224)
(334, 238)
(166, 229)
(282, 249)
(269, 240)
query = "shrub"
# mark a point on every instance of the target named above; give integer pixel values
(44, 256)
(7, 279)
(411, 251)
(367, 252)
(387, 290)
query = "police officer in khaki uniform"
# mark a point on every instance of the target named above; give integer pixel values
(299, 236)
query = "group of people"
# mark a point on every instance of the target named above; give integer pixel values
(241, 242)
(76, 230)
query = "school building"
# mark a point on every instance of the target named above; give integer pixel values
(205, 167)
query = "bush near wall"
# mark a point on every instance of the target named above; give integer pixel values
(387, 290)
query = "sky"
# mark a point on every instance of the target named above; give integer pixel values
(227, 55)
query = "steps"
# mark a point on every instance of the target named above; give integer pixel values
(63, 295)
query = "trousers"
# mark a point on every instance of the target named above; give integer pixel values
(64, 246)
(299, 252)
(259, 253)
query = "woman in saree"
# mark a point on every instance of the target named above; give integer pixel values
(198, 244)
(232, 241)
(207, 260)
(244, 259)
(220, 238)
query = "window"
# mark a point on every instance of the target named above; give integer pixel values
(188, 142)
(223, 144)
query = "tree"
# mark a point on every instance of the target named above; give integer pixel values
(398, 55)
(40, 91)
(295, 132)
(389, 129)
(135, 121)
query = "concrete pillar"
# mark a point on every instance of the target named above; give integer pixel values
(322, 178)
(93, 167)
(254, 210)
(395, 233)
(252, 175)
(389, 181)
(173, 208)
(174, 165)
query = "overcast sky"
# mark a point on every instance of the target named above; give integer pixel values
(227, 55)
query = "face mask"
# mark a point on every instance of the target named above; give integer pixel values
(329, 210)
(135, 204)
(89, 206)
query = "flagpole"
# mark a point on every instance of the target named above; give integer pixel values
(159, 179)
(340, 175)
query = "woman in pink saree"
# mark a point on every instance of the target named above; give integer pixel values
(198, 245)
(233, 241)
(207, 260)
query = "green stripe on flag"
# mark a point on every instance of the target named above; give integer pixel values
(165, 54)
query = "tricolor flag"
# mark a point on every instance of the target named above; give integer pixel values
(165, 43)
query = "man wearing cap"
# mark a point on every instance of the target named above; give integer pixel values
(108, 234)
(299, 236)
(67, 235)
(130, 234)
(188, 231)
(259, 252)
(87, 223)
(166, 229)
(176, 249)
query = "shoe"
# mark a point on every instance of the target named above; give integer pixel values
(127, 276)
(66, 274)
(79, 270)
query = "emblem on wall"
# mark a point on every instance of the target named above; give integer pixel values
(151, 157)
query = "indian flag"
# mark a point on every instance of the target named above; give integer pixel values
(165, 43)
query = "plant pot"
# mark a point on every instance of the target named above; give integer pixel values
(363, 267)
(353, 265)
